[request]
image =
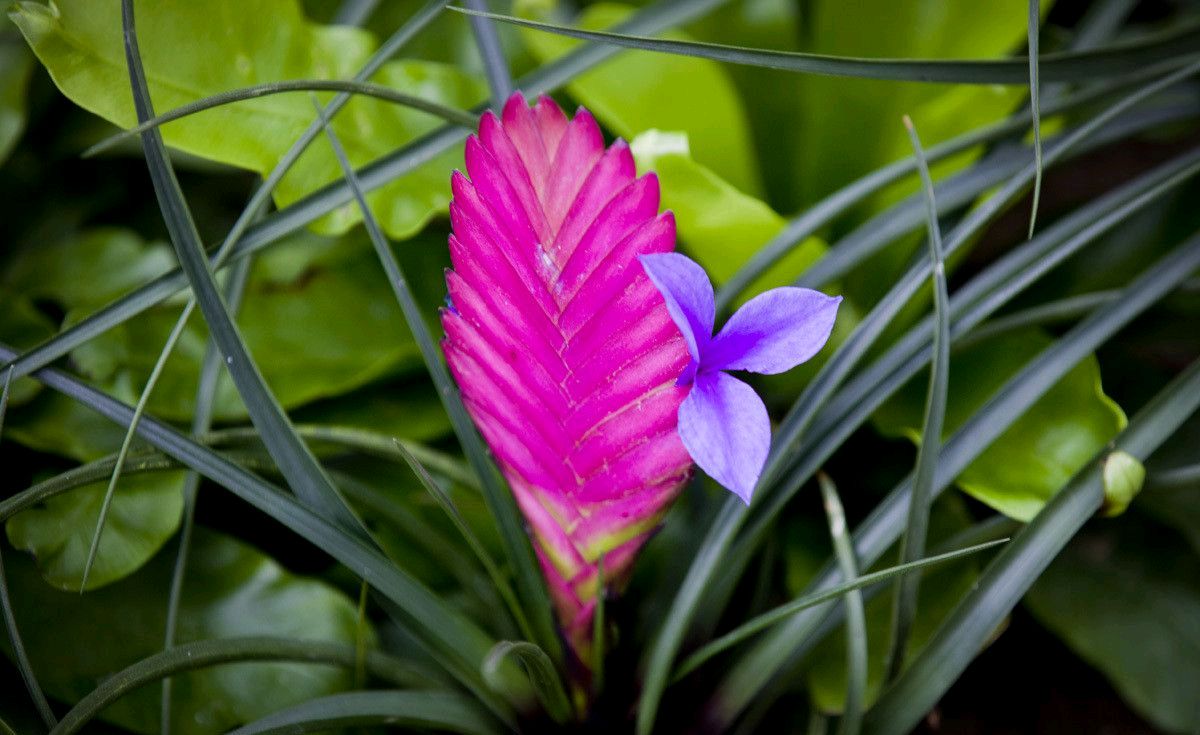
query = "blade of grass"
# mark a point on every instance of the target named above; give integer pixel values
(491, 54)
(206, 393)
(1017, 566)
(912, 543)
(499, 501)
(205, 654)
(455, 642)
(302, 471)
(444, 500)
(778, 614)
(369, 89)
(856, 619)
(10, 619)
(885, 523)
(1035, 21)
(664, 14)
(1178, 45)
(440, 711)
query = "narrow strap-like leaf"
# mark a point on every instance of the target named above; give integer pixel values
(1178, 45)
(856, 619)
(912, 544)
(367, 89)
(491, 53)
(422, 710)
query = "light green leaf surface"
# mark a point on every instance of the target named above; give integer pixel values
(89, 268)
(193, 50)
(637, 91)
(232, 590)
(1126, 598)
(1036, 456)
(720, 226)
(145, 512)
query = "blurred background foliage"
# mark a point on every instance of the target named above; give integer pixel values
(739, 151)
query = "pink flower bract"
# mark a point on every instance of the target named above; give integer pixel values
(564, 350)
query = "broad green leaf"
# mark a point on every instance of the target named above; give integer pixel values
(1036, 456)
(1126, 597)
(941, 588)
(16, 64)
(194, 50)
(56, 424)
(719, 225)
(231, 590)
(145, 512)
(636, 92)
(86, 269)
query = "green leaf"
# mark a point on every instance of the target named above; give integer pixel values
(16, 64)
(720, 226)
(636, 92)
(88, 268)
(195, 50)
(232, 590)
(145, 512)
(940, 589)
(1126, 598)
(1043, 449)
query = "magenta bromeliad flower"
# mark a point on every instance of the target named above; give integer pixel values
(593, 391)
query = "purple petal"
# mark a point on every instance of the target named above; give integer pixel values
(724, 426)
(688, 293)
(774, 331)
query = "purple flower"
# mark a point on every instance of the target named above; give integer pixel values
(722, 421)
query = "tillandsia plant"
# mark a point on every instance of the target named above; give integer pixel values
(846, 367)
(591, 382)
